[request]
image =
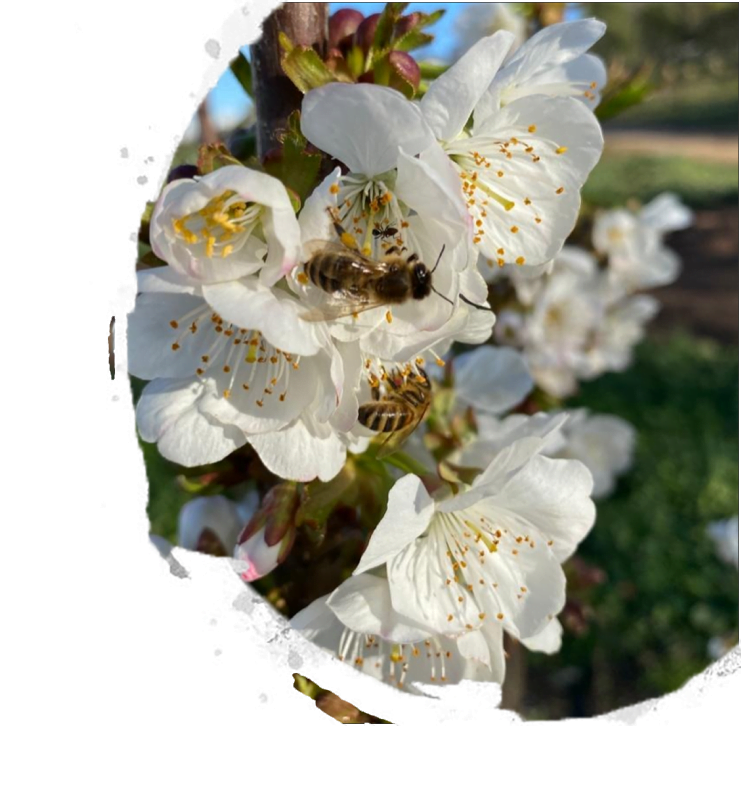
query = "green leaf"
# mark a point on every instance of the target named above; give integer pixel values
(411, 40)
(242, 71)
(385, 28)
(306, 69)
(630, 93)
(296, 167)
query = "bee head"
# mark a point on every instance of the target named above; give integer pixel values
(422, 281)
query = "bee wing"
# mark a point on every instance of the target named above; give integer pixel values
(333, 311)
(361, 262)
(315, 246)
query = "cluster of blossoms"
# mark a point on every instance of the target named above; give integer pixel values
(242, 345)
(585, 315)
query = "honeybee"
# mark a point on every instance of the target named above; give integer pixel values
(400, 410)
(364, 283)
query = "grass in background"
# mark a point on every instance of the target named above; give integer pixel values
(666, 592)
(701, 184)
(689, 105)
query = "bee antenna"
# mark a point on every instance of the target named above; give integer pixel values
(475, 305)
(442, 295)
(438, 261)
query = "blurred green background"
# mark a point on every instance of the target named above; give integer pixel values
(647, 589)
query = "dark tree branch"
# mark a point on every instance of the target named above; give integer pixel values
(275, 96)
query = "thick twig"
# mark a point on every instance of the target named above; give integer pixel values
(275, 96)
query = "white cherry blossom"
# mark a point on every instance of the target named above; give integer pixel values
(490, 552)
(216, 516)
(228, 224)
(558, 328)
(633, 243)
(358, 623)
(521, 166)
(215, 385)
(377, 133)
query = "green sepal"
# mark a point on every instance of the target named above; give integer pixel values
(304, 67)
(214, 156)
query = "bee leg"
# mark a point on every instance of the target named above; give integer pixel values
(412, 258)
(392, 250)
(346, 238)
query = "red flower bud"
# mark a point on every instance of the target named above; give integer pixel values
(406, 23)
(366, 31)
(343, 24)
(404, 67)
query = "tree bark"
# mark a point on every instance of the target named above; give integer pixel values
(275, 96)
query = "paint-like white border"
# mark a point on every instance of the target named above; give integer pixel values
(121, 678)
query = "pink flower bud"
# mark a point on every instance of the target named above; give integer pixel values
(342, 24)
(268, 537)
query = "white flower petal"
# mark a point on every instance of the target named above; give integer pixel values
(492, 379)
(495, 435)
(152, 337)
(418, 578)
(169, 413)
(273, 312)
(408, 513)
(217, 514)
(666, 213)
(449, 101)
(301, 452)
(363, 125)
(363, 604)
(166, 279)
(603, 443)
(554, 497)
(423, 188)
(530, 66)
(547, 641)
(535, 199)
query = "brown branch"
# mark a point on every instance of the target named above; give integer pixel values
(275, 96)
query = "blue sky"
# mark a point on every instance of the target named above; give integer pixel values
(228, 104)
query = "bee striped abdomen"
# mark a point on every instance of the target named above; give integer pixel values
(331, 274)
(385, 416)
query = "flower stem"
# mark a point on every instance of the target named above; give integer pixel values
(407, 463)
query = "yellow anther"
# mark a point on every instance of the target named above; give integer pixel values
(532, 128)
(561, 150)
